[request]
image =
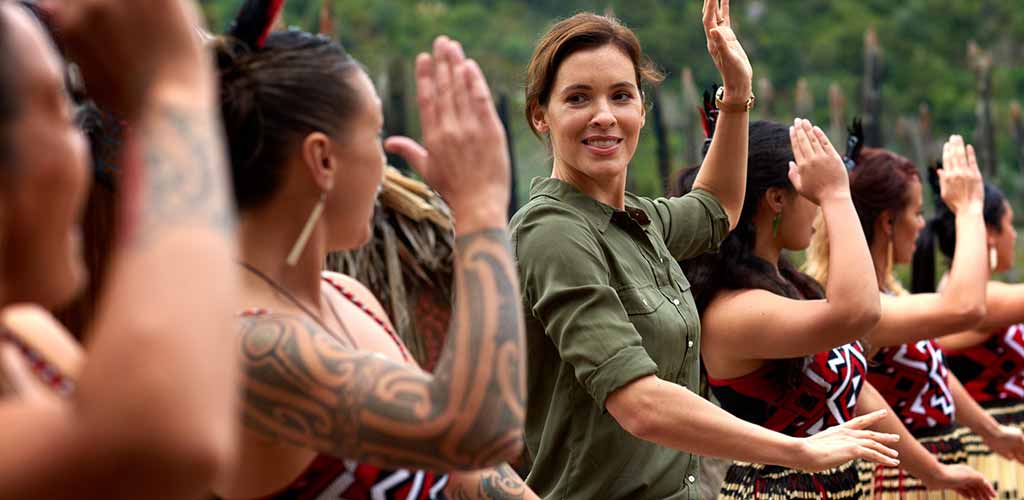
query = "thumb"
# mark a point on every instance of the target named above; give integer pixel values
(865, 421)
(411, 151)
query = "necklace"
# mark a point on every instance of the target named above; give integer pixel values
(351, 341)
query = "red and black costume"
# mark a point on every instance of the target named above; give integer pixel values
(824, 395)
(914, 381)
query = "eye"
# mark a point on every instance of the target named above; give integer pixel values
(623, 96)
(576, 99)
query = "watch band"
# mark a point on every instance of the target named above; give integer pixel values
(732, 107)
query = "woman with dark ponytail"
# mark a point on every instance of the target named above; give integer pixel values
(334, 405)
(908, 367)
(779, 350)
(989, 359)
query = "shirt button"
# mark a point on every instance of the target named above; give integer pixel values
(691, 478)
(689, 343)
(675, 301)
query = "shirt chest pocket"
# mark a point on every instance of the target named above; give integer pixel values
(649, 310)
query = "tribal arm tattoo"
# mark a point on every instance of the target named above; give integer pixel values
(500, 483)
(182, 182)
(303, 387)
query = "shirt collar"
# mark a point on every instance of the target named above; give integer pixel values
(598, 213)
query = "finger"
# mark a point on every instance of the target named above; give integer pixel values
(426, 92)
(959, 152)
(876, 457)
(460, 93)
(480, 94)
(710, 16)
(445, 103)
(725, 13)
(804, 142)
(411, 151)
(881, 448)
(972, 159)
(881, 437)
(793, 176)
(812, 138)
(865, 421)
(826, 145)
(798, 153)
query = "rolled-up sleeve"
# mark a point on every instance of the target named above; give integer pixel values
(692, 224)
(565, 280)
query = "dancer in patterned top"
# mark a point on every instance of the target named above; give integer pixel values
(326, 378)
(908, 368)
(777, 350)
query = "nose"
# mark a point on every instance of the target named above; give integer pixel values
(603, 116)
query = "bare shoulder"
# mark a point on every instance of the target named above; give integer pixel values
(358, 290)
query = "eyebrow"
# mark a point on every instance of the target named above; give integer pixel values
(583, 86)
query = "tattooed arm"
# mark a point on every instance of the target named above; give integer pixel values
(154, 415)
(304, 387)
(500, 483)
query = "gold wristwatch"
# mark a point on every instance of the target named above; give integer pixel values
(727, 107)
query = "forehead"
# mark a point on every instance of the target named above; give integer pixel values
(38, 68)
(914, 192)
(371, 102)
(600, 66)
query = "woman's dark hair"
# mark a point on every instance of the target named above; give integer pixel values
(880, 182)
(275, 95)
(941, 229)
(735, 267)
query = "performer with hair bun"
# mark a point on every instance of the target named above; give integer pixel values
(334, 405)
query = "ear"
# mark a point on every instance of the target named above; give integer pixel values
(319, 159)
(539, 118)
(775, 198)
(886, 223)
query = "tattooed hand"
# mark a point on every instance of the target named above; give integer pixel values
(304, 387)
(499, 483)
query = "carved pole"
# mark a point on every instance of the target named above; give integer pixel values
(872, 90)
(693, 135)
(837, 114)
(661, 136)
(503, 107)
(804, 100)
(326, 20)
(1017, 127)
(984, 133)
(765, 98)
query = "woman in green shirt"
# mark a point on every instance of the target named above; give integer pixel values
(612, 330)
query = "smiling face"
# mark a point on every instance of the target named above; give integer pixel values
(593, 116)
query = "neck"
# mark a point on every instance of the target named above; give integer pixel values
(765, 245)
(266, 239)
(880, 258)
(610, 191)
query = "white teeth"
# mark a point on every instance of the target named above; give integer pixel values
(605, 143)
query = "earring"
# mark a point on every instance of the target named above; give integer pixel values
(776, 222)
(993, 259)
(307, 231)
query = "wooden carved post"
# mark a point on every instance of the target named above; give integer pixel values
(503, 107)
(395, 118)
(984, 133)
(837, 114)
(693, 135)
(803, 99)
(872, 90)
(1017, 127)
(765, 98)
(661, 136)
(924, 130)
(326, 20)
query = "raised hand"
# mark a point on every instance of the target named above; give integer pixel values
(729, 56)
(838, 445)
(960, 181)
(466, 158)
(818, 172)
(126, 48)
(966, 481)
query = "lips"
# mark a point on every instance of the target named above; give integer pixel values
(602, 145)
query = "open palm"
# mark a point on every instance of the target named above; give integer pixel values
(725, 49)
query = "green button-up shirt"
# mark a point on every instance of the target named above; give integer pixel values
(606, 304)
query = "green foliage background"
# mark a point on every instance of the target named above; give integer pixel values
(822, 41)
